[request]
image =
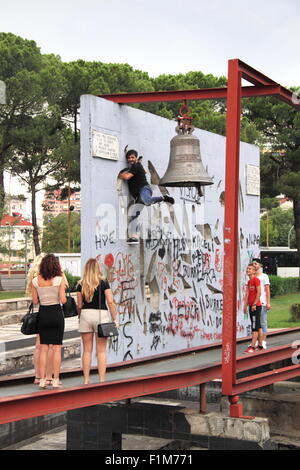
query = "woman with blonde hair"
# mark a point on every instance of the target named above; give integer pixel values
(32, 273)
(48, 289)
(94, 297)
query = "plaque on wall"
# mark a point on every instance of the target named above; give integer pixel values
(105, 145)
(253, 180)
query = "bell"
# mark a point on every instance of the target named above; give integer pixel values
(185, 165)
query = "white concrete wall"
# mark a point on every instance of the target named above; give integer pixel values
(169, 288)
(70, 262)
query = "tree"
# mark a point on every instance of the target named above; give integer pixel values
(55, 234)
(20, 63)
(277, 223)
(35, 157)
(280, 164)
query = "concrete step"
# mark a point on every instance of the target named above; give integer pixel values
(14, 305)
(21, 359)
(16, 349)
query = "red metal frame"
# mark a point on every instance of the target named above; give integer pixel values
(15, 408)
(263, 86)
(230, 385)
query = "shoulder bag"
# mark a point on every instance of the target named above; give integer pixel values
(30, 322)
(70, 308)
(106, 330)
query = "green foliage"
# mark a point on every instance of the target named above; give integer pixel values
(5, 295)
(278, 223)
(280, 315)
(55, 234)
(72, 281)
(295, 312)
(268, 203)
(280, 165)
(283, 285)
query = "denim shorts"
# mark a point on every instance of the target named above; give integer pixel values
(264, 318)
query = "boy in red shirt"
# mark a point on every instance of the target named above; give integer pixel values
(252, 301)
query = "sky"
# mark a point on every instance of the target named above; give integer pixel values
(165, 36)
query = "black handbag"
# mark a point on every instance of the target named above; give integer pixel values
(30, 322)
(69, 308)
(106, 330)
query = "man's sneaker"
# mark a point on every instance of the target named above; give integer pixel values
(264, 344)
(132, 241)
(250, 349)
(169, 199)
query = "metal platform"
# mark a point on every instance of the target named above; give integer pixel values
(20, 399)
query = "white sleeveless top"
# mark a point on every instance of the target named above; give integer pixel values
(48, 295)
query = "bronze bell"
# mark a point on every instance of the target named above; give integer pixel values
(185, 165)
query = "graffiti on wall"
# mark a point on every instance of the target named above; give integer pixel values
(170, 286)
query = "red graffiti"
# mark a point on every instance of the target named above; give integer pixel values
(109, 260)
(218, 261)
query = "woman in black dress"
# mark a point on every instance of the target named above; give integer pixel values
(48, 289)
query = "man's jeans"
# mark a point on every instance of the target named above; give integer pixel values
(145, 199)
(264, 318)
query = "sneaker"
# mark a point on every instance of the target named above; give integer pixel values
(250, 349)
(132, 241)
(264, 344)
(169, 199)
(260, 347)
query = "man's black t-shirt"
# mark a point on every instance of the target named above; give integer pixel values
(95, 300)
(138, 181)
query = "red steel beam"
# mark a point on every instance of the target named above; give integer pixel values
(236, 71)
(231, 227)
(15, 408)
(48, 402)
(261, 380)
(252, 75)
(198, 94)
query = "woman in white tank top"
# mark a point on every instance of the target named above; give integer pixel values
(48, 289)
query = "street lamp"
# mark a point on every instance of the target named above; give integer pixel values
(26, 231)
(267, 228)
(289, 235)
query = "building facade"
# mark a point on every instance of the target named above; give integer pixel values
(53, 205)
(15, 238)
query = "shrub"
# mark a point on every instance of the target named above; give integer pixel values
(283, 285)
(295, 312)
(72, 280)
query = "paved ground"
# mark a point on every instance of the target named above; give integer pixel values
(12, 332)
(14, 283)
(56, 440)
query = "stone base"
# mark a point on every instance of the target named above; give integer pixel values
(281, 409)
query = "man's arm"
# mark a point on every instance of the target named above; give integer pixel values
(268, 295)
(258, 294)
(246, 299)
(125, 176)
